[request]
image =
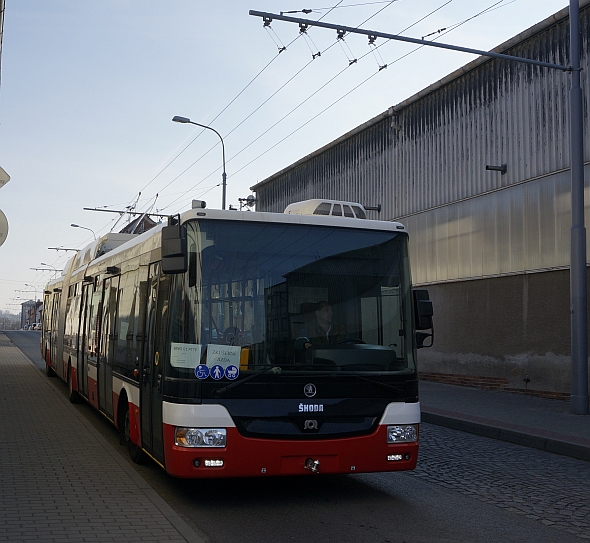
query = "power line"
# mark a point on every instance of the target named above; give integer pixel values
(352, 90)
(281, 49)
(232, 101)
(388, 2)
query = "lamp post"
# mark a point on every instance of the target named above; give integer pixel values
(84, 228)
(186, 120)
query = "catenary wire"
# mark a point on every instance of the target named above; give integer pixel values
(389, 3)
(230, 103)
(490, 8)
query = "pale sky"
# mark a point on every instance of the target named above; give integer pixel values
(89, 89)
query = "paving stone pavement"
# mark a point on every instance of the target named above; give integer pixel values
(60, 481)
(549, 488)
(526, 420)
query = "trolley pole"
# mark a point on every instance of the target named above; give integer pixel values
(578, 288)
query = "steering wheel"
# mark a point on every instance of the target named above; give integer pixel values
(351, 341)
(231, 335)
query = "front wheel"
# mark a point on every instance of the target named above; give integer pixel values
(135, 452)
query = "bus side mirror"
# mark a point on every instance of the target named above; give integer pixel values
(423, 313)
(174, 249)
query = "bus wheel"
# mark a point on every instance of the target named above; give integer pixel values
(135, 451)
(73, 395)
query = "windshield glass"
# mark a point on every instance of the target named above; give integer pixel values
(286, 298)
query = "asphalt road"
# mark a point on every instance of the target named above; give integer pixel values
(466, 488)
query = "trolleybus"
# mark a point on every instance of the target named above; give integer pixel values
(199, 341)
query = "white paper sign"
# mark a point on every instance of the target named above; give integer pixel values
(223, 355)
(185, 355)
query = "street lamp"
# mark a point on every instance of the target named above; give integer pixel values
(186, 120)
(84, 228)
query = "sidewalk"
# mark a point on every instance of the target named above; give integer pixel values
(60, 481)
(525, 420)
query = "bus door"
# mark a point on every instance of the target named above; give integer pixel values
(91, 339)
(106, 344)
(152, 381)
(82, 358)
(53, 327)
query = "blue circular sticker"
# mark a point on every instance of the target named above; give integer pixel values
(202, 371)
(231, 372)
(216, 372)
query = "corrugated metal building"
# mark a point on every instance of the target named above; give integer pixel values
(492, 246)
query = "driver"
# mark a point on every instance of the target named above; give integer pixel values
(321, 332)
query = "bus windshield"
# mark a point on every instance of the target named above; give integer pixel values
(289, 298)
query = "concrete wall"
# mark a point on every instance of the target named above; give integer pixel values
(505, 327)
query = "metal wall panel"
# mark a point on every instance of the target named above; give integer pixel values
(522, 228)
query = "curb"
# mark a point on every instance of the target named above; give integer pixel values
(543, 443)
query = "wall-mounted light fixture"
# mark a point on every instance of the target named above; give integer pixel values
(502, 169)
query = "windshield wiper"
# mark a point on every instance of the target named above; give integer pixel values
(219, 391)
(386, 386)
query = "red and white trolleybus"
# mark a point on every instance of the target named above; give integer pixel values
(232, 343)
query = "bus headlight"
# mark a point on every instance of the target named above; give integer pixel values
(401, 434)
(200, 437)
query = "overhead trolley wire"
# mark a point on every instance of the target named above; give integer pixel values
(232, 101)
(346, 6)
(364, 81)
(389, 2)
(490, 8)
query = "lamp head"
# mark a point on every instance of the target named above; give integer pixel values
(178, 119)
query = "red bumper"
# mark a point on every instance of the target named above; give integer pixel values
(249, 457)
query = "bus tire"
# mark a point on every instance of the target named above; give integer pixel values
(73, 395)
(135, 452)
